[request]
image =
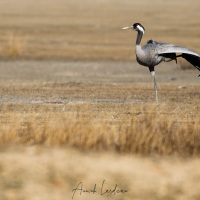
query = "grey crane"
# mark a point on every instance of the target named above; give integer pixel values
(153, 53)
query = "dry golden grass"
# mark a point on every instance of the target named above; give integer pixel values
(102, 117)
(143, 132)
(54, 135)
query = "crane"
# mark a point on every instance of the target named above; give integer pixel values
(153, 53)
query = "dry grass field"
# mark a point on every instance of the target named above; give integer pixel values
(75, 107)
(55, 115)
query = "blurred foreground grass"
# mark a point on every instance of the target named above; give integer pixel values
(52, 173)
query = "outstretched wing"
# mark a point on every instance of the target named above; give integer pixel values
(191, 56)
(193, 59)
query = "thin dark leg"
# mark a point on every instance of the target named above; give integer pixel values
(152, 71)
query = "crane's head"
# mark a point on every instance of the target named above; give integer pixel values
(137, 27)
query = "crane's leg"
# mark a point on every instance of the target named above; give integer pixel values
(152, 71)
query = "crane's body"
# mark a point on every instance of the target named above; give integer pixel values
(153, 53)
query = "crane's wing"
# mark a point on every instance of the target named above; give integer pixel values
(191, 56)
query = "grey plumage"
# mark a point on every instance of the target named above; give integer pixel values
(153, 53)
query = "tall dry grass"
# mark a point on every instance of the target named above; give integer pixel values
(148, 134)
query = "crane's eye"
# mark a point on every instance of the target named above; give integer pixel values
(135, 26)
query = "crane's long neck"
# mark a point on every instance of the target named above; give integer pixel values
(139, 38)
(139, 51)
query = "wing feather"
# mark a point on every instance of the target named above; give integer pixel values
(163, 48)
(191, 56)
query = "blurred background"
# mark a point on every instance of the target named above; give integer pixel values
(92, 30)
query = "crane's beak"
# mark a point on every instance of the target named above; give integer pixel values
(127, 27)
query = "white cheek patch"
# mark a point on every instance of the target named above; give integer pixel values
(140, 28)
